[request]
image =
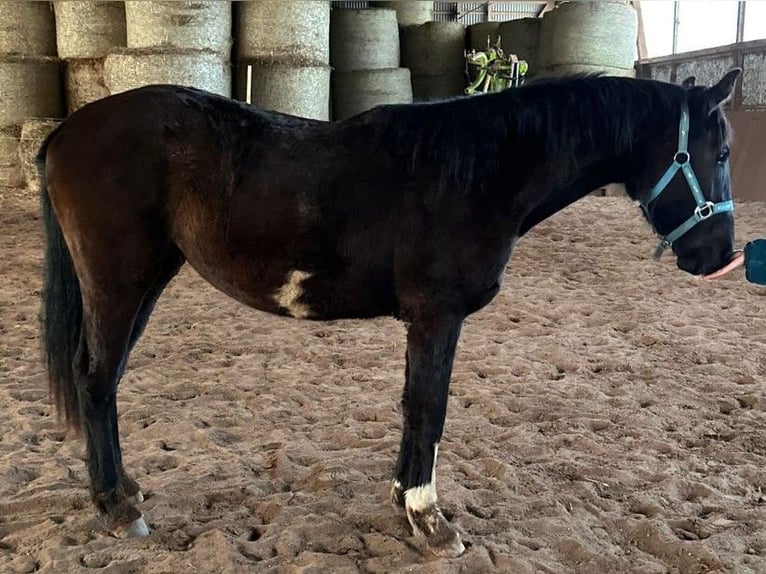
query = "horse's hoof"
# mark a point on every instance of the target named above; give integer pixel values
(136, 529)
(136, 498)
(451, 548)
(441, 537)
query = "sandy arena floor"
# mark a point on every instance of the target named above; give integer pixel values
(607, 416)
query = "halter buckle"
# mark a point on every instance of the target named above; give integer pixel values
(704, 211)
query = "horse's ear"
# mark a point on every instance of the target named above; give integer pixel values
(689, 82)
(721, 92)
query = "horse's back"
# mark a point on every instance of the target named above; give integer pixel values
(167, 151)
(256, 201)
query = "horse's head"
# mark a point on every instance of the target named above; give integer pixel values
(684, 184)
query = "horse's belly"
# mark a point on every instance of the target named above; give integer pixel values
(288, 265)
(319, 296)
(299, 291)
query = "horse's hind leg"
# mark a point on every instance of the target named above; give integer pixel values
(106, 328)
(430, 351)
(173, 261)
(116, 304)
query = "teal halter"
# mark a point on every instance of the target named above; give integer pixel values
(682, 161)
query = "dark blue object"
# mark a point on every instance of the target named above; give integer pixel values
(755, 261)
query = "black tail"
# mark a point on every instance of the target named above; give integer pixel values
(61, 308)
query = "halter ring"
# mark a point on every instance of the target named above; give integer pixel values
(705, 210)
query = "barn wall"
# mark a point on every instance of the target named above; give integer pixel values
(709, 65)
(748, 170)
(468, 12)
(475, 12)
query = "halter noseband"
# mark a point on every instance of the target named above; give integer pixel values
(682, 161)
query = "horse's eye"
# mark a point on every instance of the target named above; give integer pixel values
(723, 156)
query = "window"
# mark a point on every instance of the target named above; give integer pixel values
(705, 24)
(658, 27)
(755, 20)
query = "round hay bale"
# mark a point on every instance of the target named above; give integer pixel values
(302, 91)
(411, 12)
(522, 38)
(84, 82)
(590, 33)
(275, 28)
(135, 68)
(434, 48)
(89, 29)
(360, 90)
(364, 39)
(33, 133)
(179, 25)
(571, 69)
(29, 88)
(27, 29)
(437, 87)
(10, 166)
(479, 35)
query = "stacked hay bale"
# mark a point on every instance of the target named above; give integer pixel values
(187, 43)
(585, 37)
(282, 56)
(483, 35)
(364, 50)
(29, 78)
(10, 165)
(522, 37)
(86, 32)
(409, 13)
(33, 134)
(435, 54)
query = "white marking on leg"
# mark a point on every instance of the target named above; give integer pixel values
(426, 519)
(288, 295)
(420, 498)
(397, 493)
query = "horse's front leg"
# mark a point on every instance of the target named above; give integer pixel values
(430, 351)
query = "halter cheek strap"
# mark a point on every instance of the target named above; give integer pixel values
(682, 161)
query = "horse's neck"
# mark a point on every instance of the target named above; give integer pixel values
(560, 197)
(592, 138)
(589, 164)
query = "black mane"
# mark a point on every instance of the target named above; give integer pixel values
(465, 139)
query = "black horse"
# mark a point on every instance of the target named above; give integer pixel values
(409, 211)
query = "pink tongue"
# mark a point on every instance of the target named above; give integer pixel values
(737, 261)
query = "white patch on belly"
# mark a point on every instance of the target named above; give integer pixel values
(423, 497)
(288, 295)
